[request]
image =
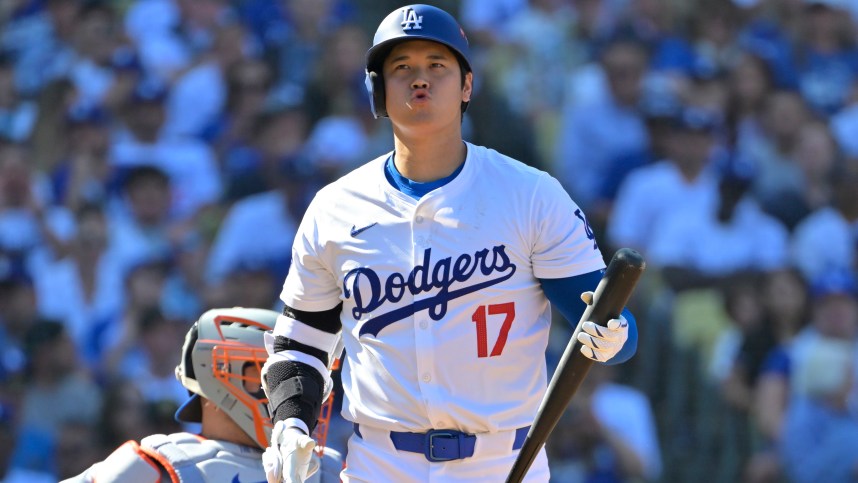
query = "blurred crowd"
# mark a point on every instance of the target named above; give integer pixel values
(157, 155)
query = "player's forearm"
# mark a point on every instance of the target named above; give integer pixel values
(295, 391)
(297, 373)
(563, 293)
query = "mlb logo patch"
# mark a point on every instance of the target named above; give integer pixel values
(410, 20)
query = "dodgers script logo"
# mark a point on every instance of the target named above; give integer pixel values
(370, 292)
(410, 20)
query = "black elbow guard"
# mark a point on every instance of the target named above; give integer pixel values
(296, 391)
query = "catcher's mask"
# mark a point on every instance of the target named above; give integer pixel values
(222, 359)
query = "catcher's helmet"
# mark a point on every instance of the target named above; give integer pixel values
(412, 22)
(218, 349)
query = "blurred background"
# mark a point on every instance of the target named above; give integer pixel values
(157, 155)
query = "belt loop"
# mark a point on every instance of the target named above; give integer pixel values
(520, 437)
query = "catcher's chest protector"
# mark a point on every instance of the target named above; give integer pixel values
(184, 458)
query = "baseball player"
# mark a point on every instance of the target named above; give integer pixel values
(434, 266)
(220, 366)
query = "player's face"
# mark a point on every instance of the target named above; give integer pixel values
(423, 84)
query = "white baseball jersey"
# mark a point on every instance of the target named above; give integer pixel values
(444, 321)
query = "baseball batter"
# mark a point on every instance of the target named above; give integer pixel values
(434, 266)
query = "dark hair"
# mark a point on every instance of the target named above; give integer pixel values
(621, 38)
(89, 208)
(88, 7)
(140, 174)
(114, 402)
(151, 318)
(234, 79)
(7, 60)
(733, 108)
(41, 333)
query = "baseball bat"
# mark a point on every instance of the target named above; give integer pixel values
(610, 296)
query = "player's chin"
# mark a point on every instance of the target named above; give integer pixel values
(416, 117)
(422, 115)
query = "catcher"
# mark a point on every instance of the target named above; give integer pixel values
(222, 358)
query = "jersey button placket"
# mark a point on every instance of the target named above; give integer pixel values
(421, 227)
(424, 346)
(424, 338)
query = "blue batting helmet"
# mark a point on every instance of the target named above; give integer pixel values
(412, 22)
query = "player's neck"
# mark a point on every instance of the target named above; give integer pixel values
(427, 159)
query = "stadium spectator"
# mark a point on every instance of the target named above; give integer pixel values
(817, 156)
(586, 140)
(592, 444)
(53, 374)
(705, 244)
(190, 163)
(150, 360)
(198, 95)
(90, 281)
(84, 175)
(237, 243)
(142, 229)
(784, 114)
(29, 226)
(17, 114)
(93, 40)
(685, 178)
(825, 239)
(819, 427)
(825, 55)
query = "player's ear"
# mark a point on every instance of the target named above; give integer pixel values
(468, 87)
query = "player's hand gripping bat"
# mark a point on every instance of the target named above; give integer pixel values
(610, 297)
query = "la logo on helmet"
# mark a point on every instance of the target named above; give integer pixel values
(410, 20)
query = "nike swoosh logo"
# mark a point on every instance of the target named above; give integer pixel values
(357, 231)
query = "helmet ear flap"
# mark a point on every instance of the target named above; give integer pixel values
(186, 365)
(375, 88)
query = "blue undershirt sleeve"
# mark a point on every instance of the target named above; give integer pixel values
(565, 295)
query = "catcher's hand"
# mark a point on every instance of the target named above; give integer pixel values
(602, 343)
(289, 459)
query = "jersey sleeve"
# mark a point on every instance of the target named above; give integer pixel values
(564, 244)
(310, 284)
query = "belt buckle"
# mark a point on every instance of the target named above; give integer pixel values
(429, 447)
